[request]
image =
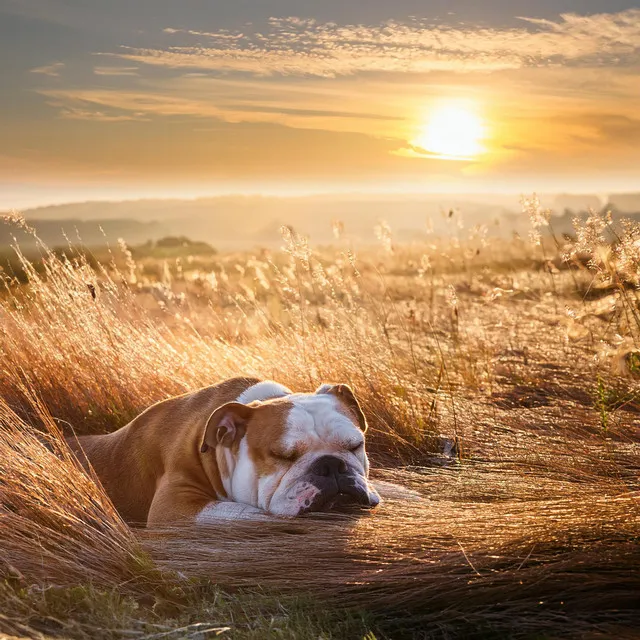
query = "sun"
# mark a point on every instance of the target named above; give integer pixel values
(452, 131)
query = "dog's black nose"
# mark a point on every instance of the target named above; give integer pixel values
(326, 466)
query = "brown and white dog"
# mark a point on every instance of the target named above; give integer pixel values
(239, 449)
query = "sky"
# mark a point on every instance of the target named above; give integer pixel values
(179, 98)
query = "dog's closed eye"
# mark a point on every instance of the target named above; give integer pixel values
(285, 456)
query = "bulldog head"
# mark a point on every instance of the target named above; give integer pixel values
(293, 454)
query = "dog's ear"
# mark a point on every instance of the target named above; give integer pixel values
(345, 393)
(226, 425)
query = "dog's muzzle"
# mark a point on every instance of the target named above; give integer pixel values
(339, 486)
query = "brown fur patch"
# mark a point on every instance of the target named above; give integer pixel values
(349, 407)
(161, 447)
(265, 432)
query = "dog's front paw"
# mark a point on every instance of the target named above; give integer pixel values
(217, 511)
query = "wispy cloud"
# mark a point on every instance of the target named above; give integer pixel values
(71, 107)
(294, 46)
(115, 71)
(182, 100)
(52, 69)
(75, 113)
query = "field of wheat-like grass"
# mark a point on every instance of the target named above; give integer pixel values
(501, 381)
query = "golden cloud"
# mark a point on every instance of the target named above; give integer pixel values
(294, 46)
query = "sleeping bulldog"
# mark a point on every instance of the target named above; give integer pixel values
(243, 448)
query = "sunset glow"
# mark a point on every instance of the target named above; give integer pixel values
(261, 97)
(452, 132)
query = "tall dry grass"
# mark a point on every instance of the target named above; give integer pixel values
(533, 526)
(87, 344)
(57, 524)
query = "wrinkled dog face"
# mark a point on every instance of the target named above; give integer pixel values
(320, 460)
(296, 454)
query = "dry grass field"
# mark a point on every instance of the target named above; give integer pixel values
(501, 381)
